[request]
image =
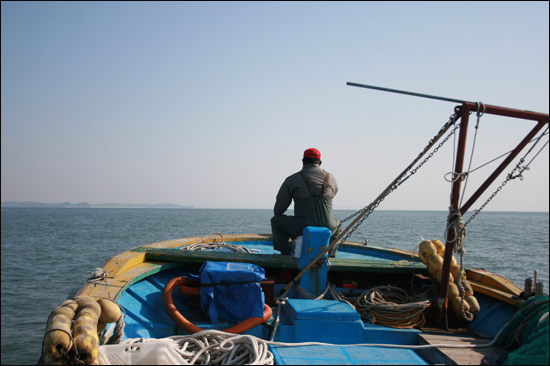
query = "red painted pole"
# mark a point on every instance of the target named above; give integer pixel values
(465, 110)
(501, 167)
(455, 196)
(509, 112)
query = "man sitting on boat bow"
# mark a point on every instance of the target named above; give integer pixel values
(312, 189)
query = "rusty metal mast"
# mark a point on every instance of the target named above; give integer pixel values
(464, 110)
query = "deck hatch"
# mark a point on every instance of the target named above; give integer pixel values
(330, 310)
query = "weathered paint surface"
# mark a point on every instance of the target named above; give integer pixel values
(129, 267)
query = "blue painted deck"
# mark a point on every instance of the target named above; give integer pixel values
(266, 247)
(326, 321)
(344, 355)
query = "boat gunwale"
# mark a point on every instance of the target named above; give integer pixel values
(129, 267)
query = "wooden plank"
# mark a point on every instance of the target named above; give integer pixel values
(376, 265)
(494, 280)
(212, 238)
(177, 255)
(495, 293)
(278, 261)
(358, 247)
(454, 356)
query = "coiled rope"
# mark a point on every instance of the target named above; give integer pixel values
(308, 295)
(393, 307)
(217, 347)
(456, 225)
(217, 245)
(385, 305)
(98, 275)
(213, 347)
(118, 332)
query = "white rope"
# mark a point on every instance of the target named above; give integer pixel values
(276, 322)
(456, 224)
(465, 314)
(98, 275)
(216, 245)
(309, 295)
(118, 332)
(217, 347)
(340, 297)
(479, 113)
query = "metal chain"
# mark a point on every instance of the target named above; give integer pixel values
(434, 151)
(455, 223)
(463, 175)
(465, 314)
(508, 178)
(511, 176)
(365, 217)
(451, 121)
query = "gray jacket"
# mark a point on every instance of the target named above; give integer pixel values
(295, 187)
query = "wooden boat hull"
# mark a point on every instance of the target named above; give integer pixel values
(135, 279)
(129, 267)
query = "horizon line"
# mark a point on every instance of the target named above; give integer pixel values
(194, 207)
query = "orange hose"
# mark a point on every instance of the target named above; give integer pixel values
(189, 288)
(189, 327)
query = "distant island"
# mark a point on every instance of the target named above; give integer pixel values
(88, 205)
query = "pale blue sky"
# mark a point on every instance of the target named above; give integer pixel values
(213, 104)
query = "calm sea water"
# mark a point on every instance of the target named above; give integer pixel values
(47, 252)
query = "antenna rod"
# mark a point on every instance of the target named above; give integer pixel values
(409, 93)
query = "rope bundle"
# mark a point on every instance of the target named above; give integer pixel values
(217, 245)
(392, 307)
(215, 347)
(386, 305)
(212, 347)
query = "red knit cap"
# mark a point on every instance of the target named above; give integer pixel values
(312, 153)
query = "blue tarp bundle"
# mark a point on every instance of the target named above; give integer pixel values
(231, 291)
